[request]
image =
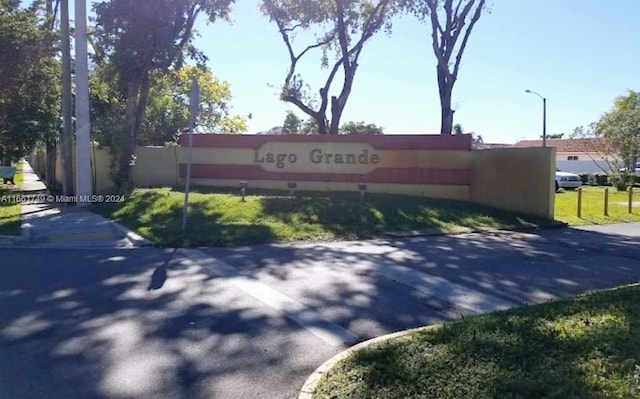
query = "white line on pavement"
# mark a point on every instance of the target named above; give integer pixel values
(324, 329)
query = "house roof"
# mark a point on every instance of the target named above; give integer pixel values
(488, 146)
(564, 145)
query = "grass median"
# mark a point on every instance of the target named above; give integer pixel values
(584, 347)
(566, 206)
(221, 218)
(10, 220)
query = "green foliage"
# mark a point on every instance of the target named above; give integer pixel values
(10, 220)
(221, 218)
(620, 128)
(458, 129)
(140, 40)
(584, 178)
(292, 124)
(29, 76)
(583, 347)
(361, 128)
(310, 126)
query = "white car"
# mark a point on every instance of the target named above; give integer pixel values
(566, 180)
(637, 169)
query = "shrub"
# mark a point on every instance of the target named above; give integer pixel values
(602, 179)
(584, 177)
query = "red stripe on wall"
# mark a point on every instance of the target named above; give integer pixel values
(384, 142)
(380, 175)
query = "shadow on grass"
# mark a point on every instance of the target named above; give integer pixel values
(10, 222)
(577, 348)
(224, 219)
(154, 215)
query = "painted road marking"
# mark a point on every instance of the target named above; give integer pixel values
(458, 295)
(331, 333)
(441, 288)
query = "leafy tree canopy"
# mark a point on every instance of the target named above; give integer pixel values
(29, 75)
(620, 127)
(361, 128)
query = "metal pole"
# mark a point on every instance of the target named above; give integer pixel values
(544, 122)
(67, 132)
(84, 182)
(194, 101)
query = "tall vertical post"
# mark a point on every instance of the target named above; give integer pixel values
(194, 101)
(67, 128)
(606, 201)
(84, 183)
(630, 199)
(579, 213)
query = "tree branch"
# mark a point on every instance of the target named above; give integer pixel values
(474, 19)
(459, 27)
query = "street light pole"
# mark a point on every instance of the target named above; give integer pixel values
(544, 116)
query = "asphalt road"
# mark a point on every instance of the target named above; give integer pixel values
(254, 322)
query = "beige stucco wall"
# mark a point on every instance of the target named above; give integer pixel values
(156, 166)
(517, 179)
(424, 190)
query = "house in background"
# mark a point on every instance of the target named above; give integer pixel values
(574, 155)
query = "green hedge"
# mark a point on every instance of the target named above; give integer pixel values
(602, 179)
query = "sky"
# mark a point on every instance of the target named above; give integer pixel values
(579, 54)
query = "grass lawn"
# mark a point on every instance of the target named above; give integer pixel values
(219, 218)
(593, 206)
(585, 347)
(10, 211)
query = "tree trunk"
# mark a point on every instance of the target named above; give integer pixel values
(322, 123)
(336, 114)
(50, 168)
(445, 88)
(124, 176)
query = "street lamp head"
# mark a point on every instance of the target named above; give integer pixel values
(527, 91)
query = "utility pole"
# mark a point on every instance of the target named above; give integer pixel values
(67, 132)
(50, 142)
(84, 182)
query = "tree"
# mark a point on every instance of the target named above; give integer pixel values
(292, 124)
(361, 128)
(168, 109)
(310, 126)
(458, 129)
(451, 27)
(29, 75)
(620, 128)
(140, 38)
(616, 138)
(346, 26)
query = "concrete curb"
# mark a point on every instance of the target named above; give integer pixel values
(306, 392)
(468, 230)
(135, 238)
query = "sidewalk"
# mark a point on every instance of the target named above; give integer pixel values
(48, 224)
